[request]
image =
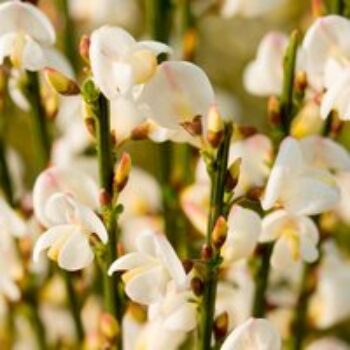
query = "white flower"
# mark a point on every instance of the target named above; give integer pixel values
(67, 240)
(343, 208)
(263, 76)
(186, 93)
(175, 310)
(62, 180)
(257, 334)
(25, 34)
(119, 63)
(150, 269)
(296, 238)
(330, 304)
(297, 186)
(248, 8)
(11, 224)
(244, 227)
(326, 50)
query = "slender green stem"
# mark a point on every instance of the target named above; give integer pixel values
(5, 179)
(336, 6)
(262, 278)
(288, 81)
(74, 305)
(216, 210)
(39, 121)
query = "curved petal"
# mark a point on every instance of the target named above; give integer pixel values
(183, 319)
(16, 16)
(76, 253)
(128, 262)
(155, 46)
(9, 288)
(257, 334)
(48, 238)
(186, 93)
(171, 261)
(282, 254)
(33, 57)
(272, 225)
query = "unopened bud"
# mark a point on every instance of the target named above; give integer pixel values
(221, 326)
(104, 197)
(206, 252)
(300, 81)
(61, 83)
(122, 172)
(317, 7)
(141, 131)
(189, 44)
(84, 47)
(247, 130)
(219, 234)
(274, 111)
(233, 174)
(93, 341)
(109, 326)
(194, 127)
(215, 127)
(197, 286)
(188, 265)
(90, 126)
(255, 193)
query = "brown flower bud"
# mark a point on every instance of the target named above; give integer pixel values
(221, 326)
(104, 197)
(215, 127)
(247, 130)
(233, 174)
(300, 82)
(274, 111)
(254, 193)
(109, 326)
(188, 265)
(206, 252)
(61, 83)
(219, 234)
(141, 131)
(90, 125)
(122, 172)
(194, 127)
(197, 286)
(84, 47)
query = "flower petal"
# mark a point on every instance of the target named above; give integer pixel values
(128, 262)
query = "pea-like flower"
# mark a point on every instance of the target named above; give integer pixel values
(296, 238)
(149, 269)
(67, 242)
(25, 35)
(257, 334)
(119, 63)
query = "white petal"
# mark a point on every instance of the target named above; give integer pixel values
(186, 93)
(257, 334)
(128, 262)
(49, 237)
(6, 45)
(146, 243)
(272, 225)
(16, 16)
(243, 232)
(171, 260)
(281, 257)
(33, 58)
(183, 319)
(155, 46)
(9, 288)
(76, 253)
(147, 287)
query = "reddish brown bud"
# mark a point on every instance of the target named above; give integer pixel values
(300, 81)
(206, 252)
(84, 47)
(254, 193)
(215, 127)
(109, 326)
(141, 131)
(274, 111)
(188, 265)
(233, 174)
(221, 326)
(194, 127)
(104, 198)
(61, 83)
(122, 172)
(90, 125)
(247, 131)
(197, 286)
(219, 234)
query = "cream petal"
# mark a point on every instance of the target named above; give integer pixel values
(146, 243)
(244, 227)
(49, 237)
(257, 334)
(128, 262)
(147, 287)
(171, 260)
(183, 319)
(9, 288)
(33, 58)
(155, 46)
(6, 45)
(76, 253)
(186, 93)
(16, 16)
(11, 220)
(59, 209)
(272, 225)
(282, 257)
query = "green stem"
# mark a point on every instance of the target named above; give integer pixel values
(40, 129)
(74, 305)
(288, 81)
(212, 266)
(5, 179)
(262, 278)
(336, 7)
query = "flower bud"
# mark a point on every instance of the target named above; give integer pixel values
(93, 341)
(194, 127)
(141, 131)
(60, 83)
(317, 8)
(104, 197)
(206, 252)
(90, 125)
(219, 234)
(197, 286)
(109, 326)
(215, 127)
(221, 326)
(233, 174)
(255, 193)
(300, 82)
(274, 111)
(189, 44)
(122, 172)
(247, 130)
(84, 47)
